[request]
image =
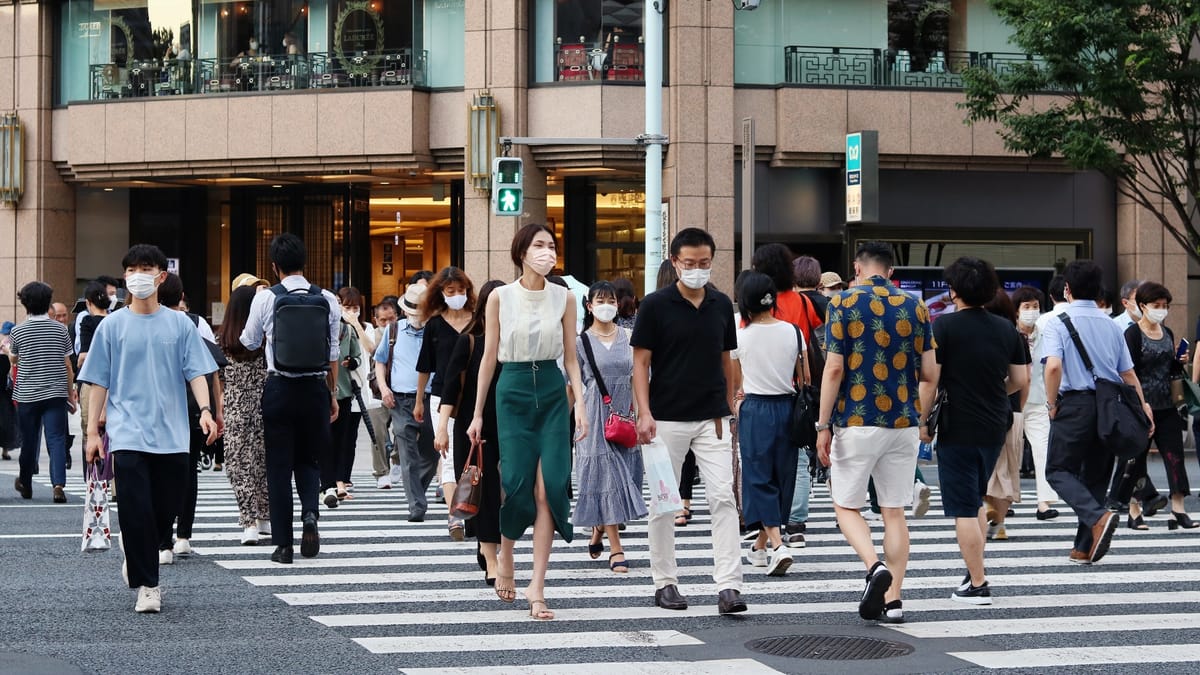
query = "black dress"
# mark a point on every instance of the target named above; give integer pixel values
(461, 376)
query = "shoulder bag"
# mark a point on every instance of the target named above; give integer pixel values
(373, 381)
(1121, 423)
(467, 494)
(805, 408)
(618, 429)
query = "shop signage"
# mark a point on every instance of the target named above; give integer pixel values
(358, 37)
(173, 266)
(862, 177)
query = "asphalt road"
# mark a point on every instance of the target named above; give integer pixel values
(386, 595)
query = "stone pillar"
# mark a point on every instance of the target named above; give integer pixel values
(698, 170)
(37, 238)
(497, 49)
(1146, 251)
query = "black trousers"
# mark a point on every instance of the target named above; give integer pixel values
(295, 432)
(1077, 466)
(337, 458)
(687, 476)
(152, 489)
(187, 508)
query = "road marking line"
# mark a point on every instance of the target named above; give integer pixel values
(449, 644)
(719, 667)
(1047, 625)
(1083, 656)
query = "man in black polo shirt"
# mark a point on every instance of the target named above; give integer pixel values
(684, 334)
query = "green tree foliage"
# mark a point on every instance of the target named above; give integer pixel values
(1125, 85)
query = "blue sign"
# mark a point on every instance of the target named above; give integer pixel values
(853, 152)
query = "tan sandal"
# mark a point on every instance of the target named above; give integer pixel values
(540, 615)
(506, 588)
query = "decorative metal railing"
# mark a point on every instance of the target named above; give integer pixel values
(900, 68)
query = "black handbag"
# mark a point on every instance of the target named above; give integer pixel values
(802, 431)
(1121, 423)
(937, 412)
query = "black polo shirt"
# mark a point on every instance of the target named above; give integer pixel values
(687, 383)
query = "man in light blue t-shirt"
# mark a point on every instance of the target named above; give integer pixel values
(137, 358)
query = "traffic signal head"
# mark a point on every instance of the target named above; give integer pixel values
(507, 186)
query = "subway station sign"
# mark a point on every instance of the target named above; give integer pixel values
(862, 177)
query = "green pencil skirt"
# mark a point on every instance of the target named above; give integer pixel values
(533, 425)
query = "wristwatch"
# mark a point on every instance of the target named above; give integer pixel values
(823, 427)
(203, 408)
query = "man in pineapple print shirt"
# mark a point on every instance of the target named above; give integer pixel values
(879, 348)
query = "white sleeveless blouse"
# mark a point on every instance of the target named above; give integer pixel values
(531, 322)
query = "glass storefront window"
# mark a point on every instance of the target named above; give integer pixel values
(588, 40)
(124, 48)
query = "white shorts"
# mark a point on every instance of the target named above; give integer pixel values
(862, 453)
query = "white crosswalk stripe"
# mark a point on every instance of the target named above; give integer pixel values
(405, 590)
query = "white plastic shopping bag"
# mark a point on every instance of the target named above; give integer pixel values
(96, 533)
(660, 477)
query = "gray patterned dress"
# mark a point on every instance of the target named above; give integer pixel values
(609, 477)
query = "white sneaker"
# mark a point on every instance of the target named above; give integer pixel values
(183, 548)
(920, 499)
(149, 600)
(384, 482)
(166, 558)
(757, 556)
(872, 517)
(264, 528)
(331, 500)
(250, 536)
(394, 474)
(780, 561)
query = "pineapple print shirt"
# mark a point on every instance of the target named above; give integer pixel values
(881, 332)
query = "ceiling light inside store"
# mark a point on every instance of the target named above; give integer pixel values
(445, 173)
(587, 169)
(228, 181)
(277, 186)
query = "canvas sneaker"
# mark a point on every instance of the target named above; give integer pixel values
(879, 580)
(757, 556)
(973, 595)
(384, 482)
(264, 528)
(780, 560)
(165, 557)
(395, 474)
(795, 540)
(149, 600)
(921, 494)
(183, 548)
(250, 536)
(893, 612)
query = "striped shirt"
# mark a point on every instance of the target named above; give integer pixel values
(41, 347)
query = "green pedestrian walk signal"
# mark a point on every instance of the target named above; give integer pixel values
(507, 189)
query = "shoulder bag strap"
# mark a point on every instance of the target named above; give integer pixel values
(591, 357)
(1083, 353)
(798, 379)
(462, 377)
(393, 332)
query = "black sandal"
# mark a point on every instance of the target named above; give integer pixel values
(1138, 523)
(620, 566)
(596, 546)
(683, 517)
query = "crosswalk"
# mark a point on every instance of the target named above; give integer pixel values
(405, 590)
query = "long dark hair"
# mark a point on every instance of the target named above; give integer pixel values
(479, 318)
(596, 290)
(627, 302)
(237, 312)
(756, 295)
(667, 276)
(434, 303)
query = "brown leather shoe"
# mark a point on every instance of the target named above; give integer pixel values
(60, 497)
(1079, 557)
(1102, 533)
(25, 491)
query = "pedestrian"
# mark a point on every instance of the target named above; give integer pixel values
(609, 475)
(245, 452)
(111, 285)
(879, 345)
(688, 476)
(775, 261)
(396, 372)
(1132, 313)
(980, 362)
(10, 435)
(1030, 304)
(337, 459)
(684, 336)
(1156, 363)
(768, 363)
(807, 272)
(531, 324)
(627, 302)
(385, 461)
(460, 389)
(41, 350)
(138, 358)
(445, 310)
(1004, 486)
(96, 304)
(1077, 466)
(354, 305)
(831, 284)
(299, 399)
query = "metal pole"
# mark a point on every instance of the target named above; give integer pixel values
(653, 32)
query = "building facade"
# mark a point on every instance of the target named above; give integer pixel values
(207, 127)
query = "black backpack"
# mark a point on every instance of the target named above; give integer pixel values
(301, 335)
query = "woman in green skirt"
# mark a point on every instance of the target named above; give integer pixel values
(530, 328)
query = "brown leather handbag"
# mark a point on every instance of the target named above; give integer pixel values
(467, 493)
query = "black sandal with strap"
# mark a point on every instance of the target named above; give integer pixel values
(620, 566)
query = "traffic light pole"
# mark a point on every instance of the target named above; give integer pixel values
(653, 42)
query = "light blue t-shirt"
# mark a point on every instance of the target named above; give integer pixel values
(143, 359)
(404, 362)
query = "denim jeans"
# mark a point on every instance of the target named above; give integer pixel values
(50, 415)
(799, 512)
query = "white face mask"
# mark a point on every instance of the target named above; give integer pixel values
(112, 301)
(141, 284)
(1156, 315)
(1135, 312)
(604, 313)
(695, 279)
(253, 44)
(350, 311)
(1029, 316)
(455, 302)
(541, 261)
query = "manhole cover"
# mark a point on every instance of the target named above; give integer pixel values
(829, 647)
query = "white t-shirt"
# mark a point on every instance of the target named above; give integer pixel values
(767, 354)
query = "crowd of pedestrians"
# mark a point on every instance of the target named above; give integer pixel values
(555, 407)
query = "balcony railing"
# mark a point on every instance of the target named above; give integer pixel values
(319, 70)
(872, 67)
